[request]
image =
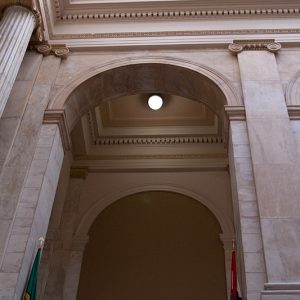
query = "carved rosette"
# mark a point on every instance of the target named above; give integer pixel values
(254, 45)
(58, 50)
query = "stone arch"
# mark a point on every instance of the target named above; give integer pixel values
(74, 99)
(92, 213)
(293, 90)
(205, 262)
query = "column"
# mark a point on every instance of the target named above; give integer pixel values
(275, 166)
(16, 28)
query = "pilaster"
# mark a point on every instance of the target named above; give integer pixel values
(275, 165)
(251, 264)
(16, 169)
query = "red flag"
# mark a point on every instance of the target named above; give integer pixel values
(233, 287)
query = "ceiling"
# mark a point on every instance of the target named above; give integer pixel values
(126, 128)
(82, 24)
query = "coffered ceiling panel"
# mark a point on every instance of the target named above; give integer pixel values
(126, 128)
(133, 111)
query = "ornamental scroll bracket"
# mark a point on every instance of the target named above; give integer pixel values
(46, 49)
(254, 45)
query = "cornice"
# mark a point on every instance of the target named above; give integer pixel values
(164, 140)
(154, 164)
(135, 12)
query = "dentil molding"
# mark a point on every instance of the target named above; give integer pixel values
(143, 11)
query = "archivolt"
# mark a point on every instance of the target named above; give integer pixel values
(92, 213)
(144, 75)
(293, 90)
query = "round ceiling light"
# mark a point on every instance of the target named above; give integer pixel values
(155, 102)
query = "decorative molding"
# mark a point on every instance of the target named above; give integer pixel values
(254, 45)
(58, 117)
(282, 286)
(111, 35)
(165, 13)
(294, 112)
(167, 163)
(292, 91)
(58, 50)
(152, 140)
(235, 113)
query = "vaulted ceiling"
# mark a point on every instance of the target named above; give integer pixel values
(126, 128)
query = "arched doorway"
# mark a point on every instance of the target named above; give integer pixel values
(154, 245)
(104, 166)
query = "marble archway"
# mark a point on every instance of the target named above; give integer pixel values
(117, 79)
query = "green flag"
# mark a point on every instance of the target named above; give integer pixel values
(30, 290)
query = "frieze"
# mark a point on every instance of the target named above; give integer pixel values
(173, 33)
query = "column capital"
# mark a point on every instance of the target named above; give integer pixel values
(254, 45)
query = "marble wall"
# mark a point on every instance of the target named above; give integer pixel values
(263, 152)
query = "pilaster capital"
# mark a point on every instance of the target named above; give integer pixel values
(58, 117)
(235, 113)
(254, 45)
(59, 50)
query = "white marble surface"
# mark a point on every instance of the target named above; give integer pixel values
(275, 164)
(251, 254)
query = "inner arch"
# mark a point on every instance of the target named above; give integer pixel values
(154, 245)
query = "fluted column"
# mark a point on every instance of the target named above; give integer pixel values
(16, 28)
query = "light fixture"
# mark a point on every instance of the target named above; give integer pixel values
(155, 102)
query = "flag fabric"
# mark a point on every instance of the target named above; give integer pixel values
(234, 294)
(233, 286)
(30, 290)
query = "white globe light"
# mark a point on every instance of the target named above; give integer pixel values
(155, 102)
